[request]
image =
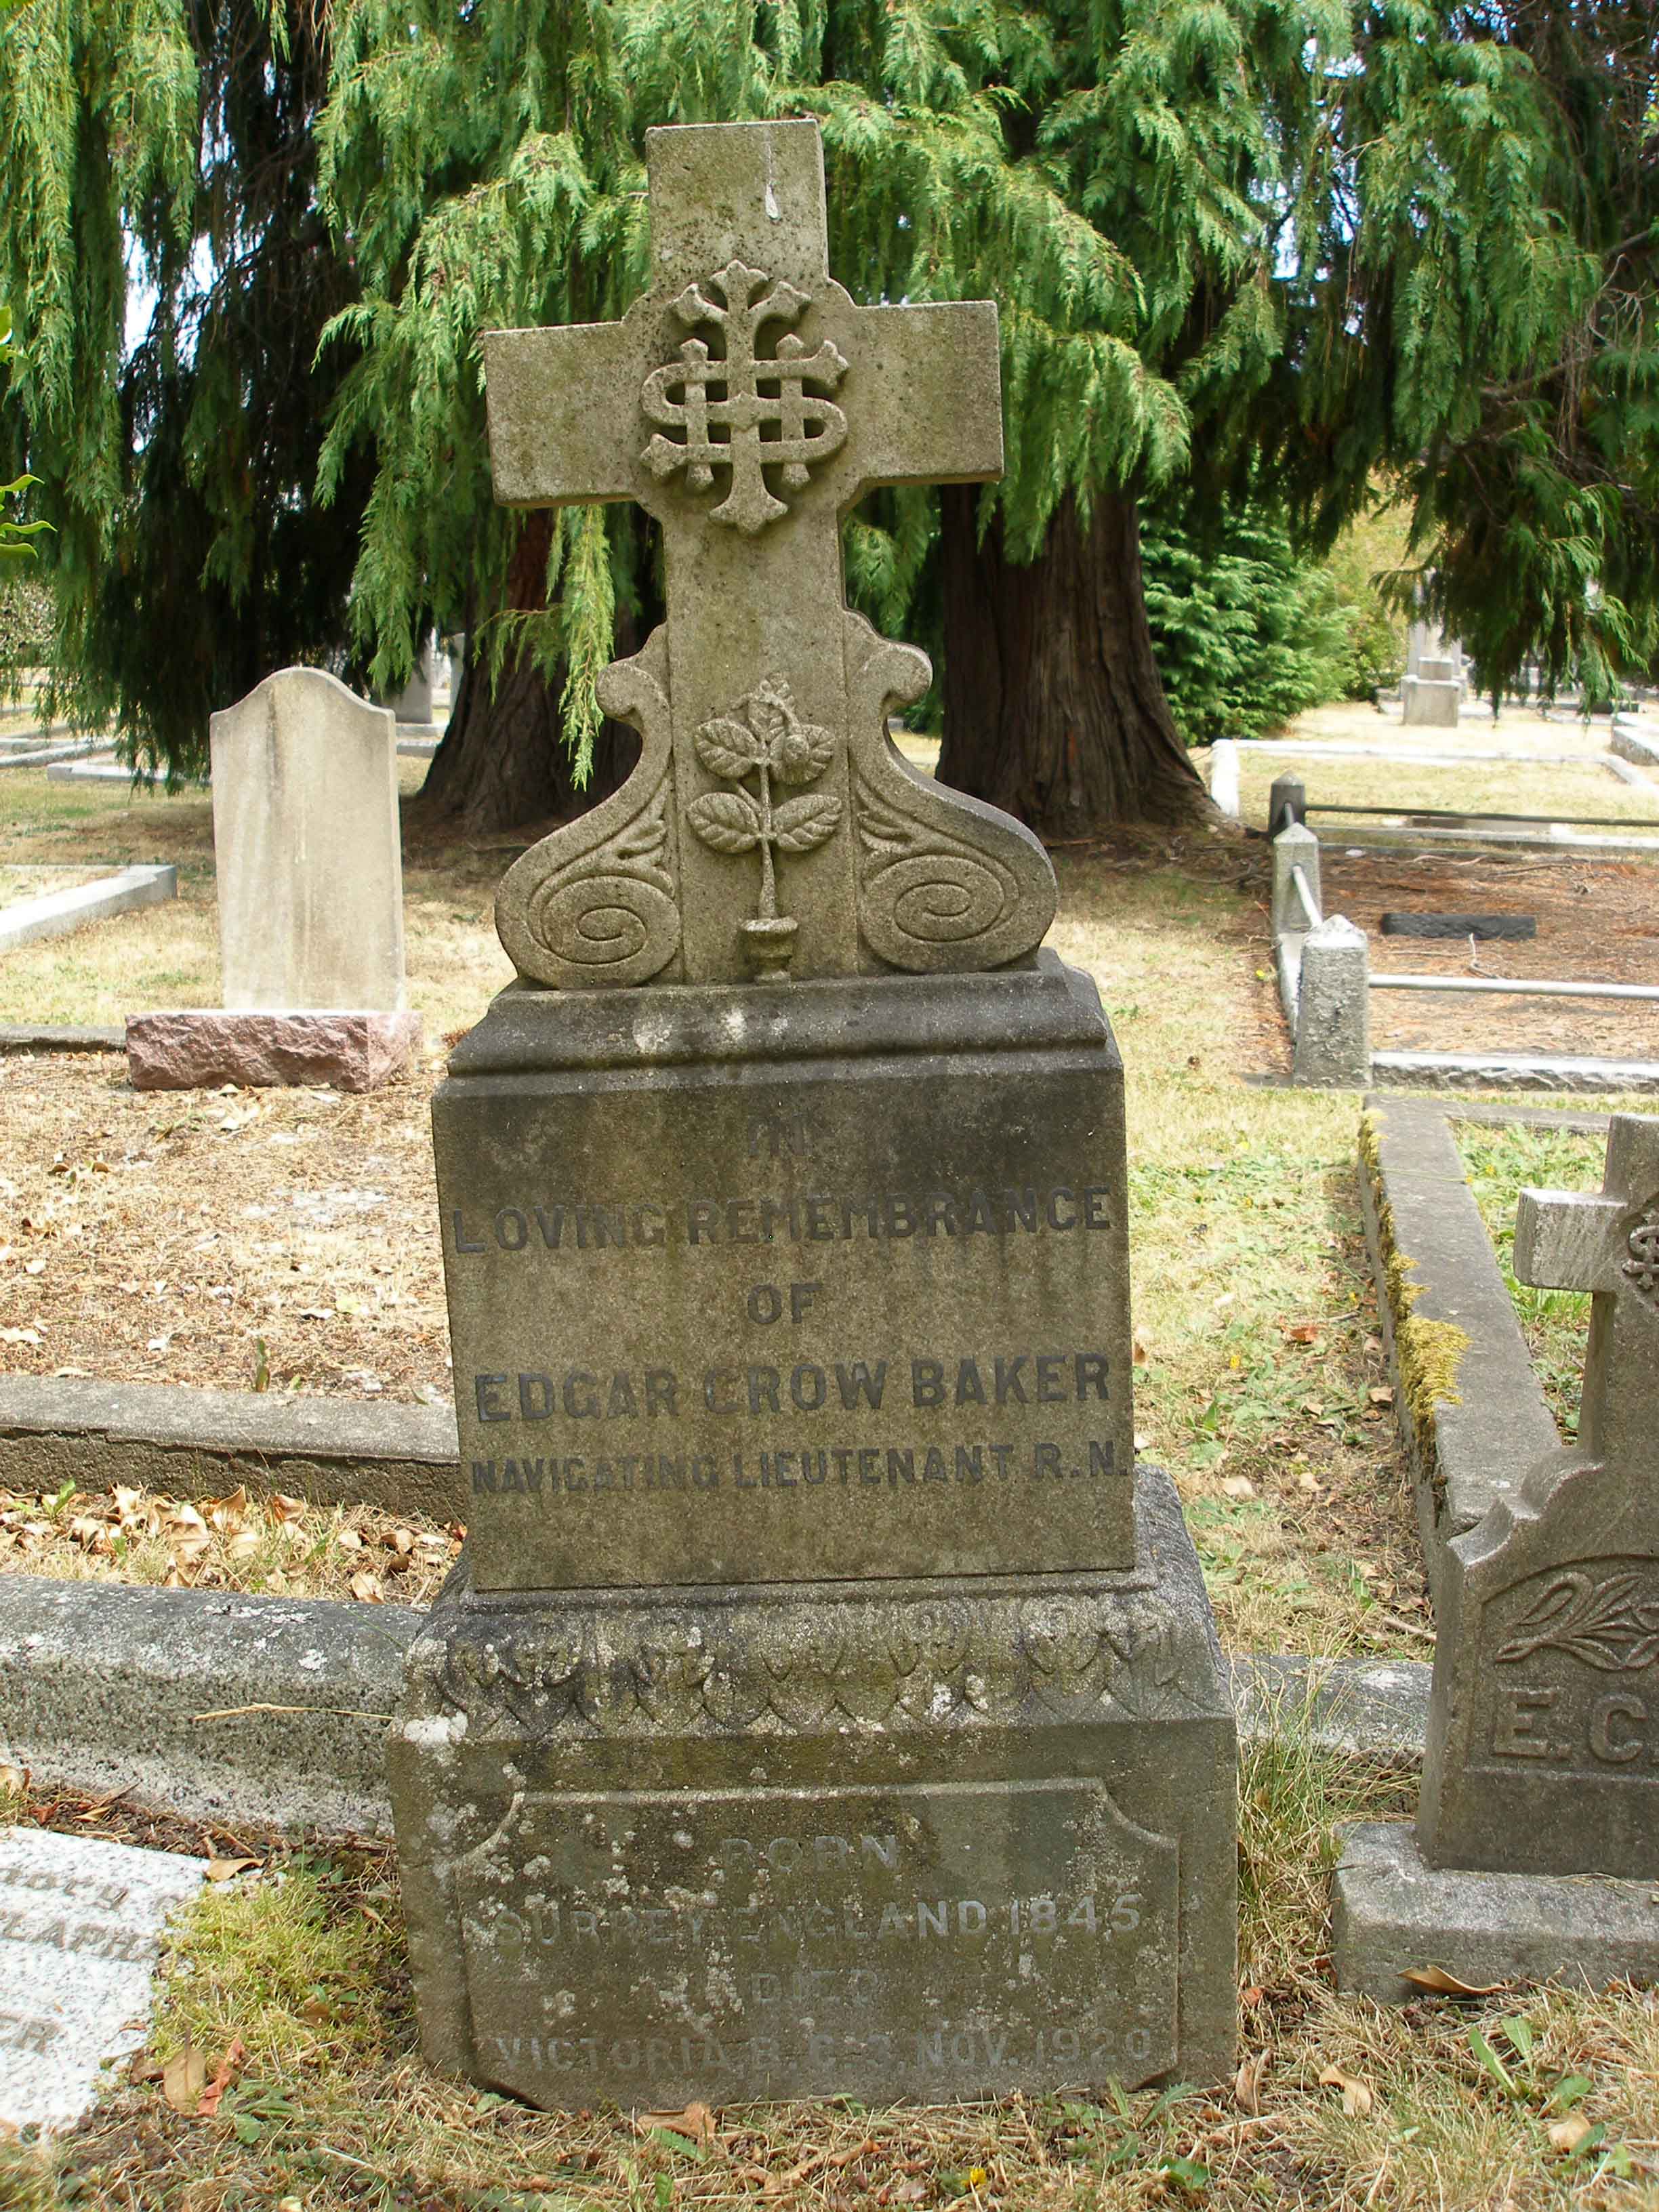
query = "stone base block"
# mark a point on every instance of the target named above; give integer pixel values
(1393, 1912)
(1427, 705)
(200, 1049)
(905, 1840)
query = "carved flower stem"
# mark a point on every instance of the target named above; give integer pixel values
(769, 897)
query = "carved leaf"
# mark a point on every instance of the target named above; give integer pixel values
(770, 714)
(728, 748)
(801, 823)
(728, 820)
(805, 752)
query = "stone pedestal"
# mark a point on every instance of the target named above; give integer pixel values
(197, 1049)
(823, 1706)
(918, 1839)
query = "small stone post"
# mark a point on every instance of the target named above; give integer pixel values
(1287, 802)
(1334, 1021)
(1223, 776)
(1295, 847)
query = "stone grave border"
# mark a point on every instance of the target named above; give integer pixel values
(1472, 1412)
(1323, 966)
(269, 1715)
(55, 913)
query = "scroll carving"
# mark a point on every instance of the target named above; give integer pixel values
(594, 905)
(945, 882)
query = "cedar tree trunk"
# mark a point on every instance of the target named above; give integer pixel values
(1054, 710)
(502, 763)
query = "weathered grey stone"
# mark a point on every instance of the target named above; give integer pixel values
(46, 1037)
(1486, 928)
(306, 848)
(929, 1840)
(1543, 1754)
(103, 1687)
(1513, 1071)
(1295, 906)
(1394, 1914)
(860, 1307)
(1430, 705)
(1333, 1015)
(1469, 1404)
(198, 1048)
(1224, 777)
(1631, 742)
(771, 826)
(55, 913)
(182, 1442)
(269, 1715)
(769, 1299)
(81, 1927)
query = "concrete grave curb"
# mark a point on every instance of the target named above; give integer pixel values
(1471, 1414)
(56, 912)
(1507, 1071)
(203, 1443)
(61, 1038)
(269, 1714)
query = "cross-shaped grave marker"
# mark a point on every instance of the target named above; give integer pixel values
(747, 402)
(1608, 1244)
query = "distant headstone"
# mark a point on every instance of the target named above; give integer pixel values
(309, 870)
(825, 1704)
(1537, 1843)
(1431, 702)
(81, 1927)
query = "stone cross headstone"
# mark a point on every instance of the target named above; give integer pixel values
(1542, 1766)
(823, 1703)
(770, 827)
(308, 859)
(81, 1928)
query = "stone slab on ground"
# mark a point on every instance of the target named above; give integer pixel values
(198, 1048)
(1637, 745)
(183, 1443)
(1393, 1913)
(104, 1683)
(263, 1714)
(1482, 926)
(1471, 1410)
(1513, 1071)
(55, 1037)
(54, 914)
(81, 1927)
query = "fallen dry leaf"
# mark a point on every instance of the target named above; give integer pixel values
(13, 1781)
(1247, 2082)
(1303, 1332)
(184, 2078)
(1379, 1396)
(1442, 1985)
(1238, 1485)
(243, 1545)
(223, 2075)
(287, 1509)
(695, 2123)
(227, 1870)
(366, 1587)
(1568, 2135)
(1356, 2093)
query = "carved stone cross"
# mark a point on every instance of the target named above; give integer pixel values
(747, 402)
(1608, 1244)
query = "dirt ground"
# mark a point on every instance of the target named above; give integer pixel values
(1597, 921)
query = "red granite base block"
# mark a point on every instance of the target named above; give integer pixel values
(197, 1049)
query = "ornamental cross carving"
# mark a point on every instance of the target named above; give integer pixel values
(771, 828)
(1608, 1243)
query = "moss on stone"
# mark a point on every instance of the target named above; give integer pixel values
(1427, 1353)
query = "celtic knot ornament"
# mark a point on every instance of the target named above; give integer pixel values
(744, 410)
(764, 737)
(1642, 1265)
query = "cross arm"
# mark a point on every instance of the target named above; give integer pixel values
(930, 409)
(1564, 1239)
(557, 435)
